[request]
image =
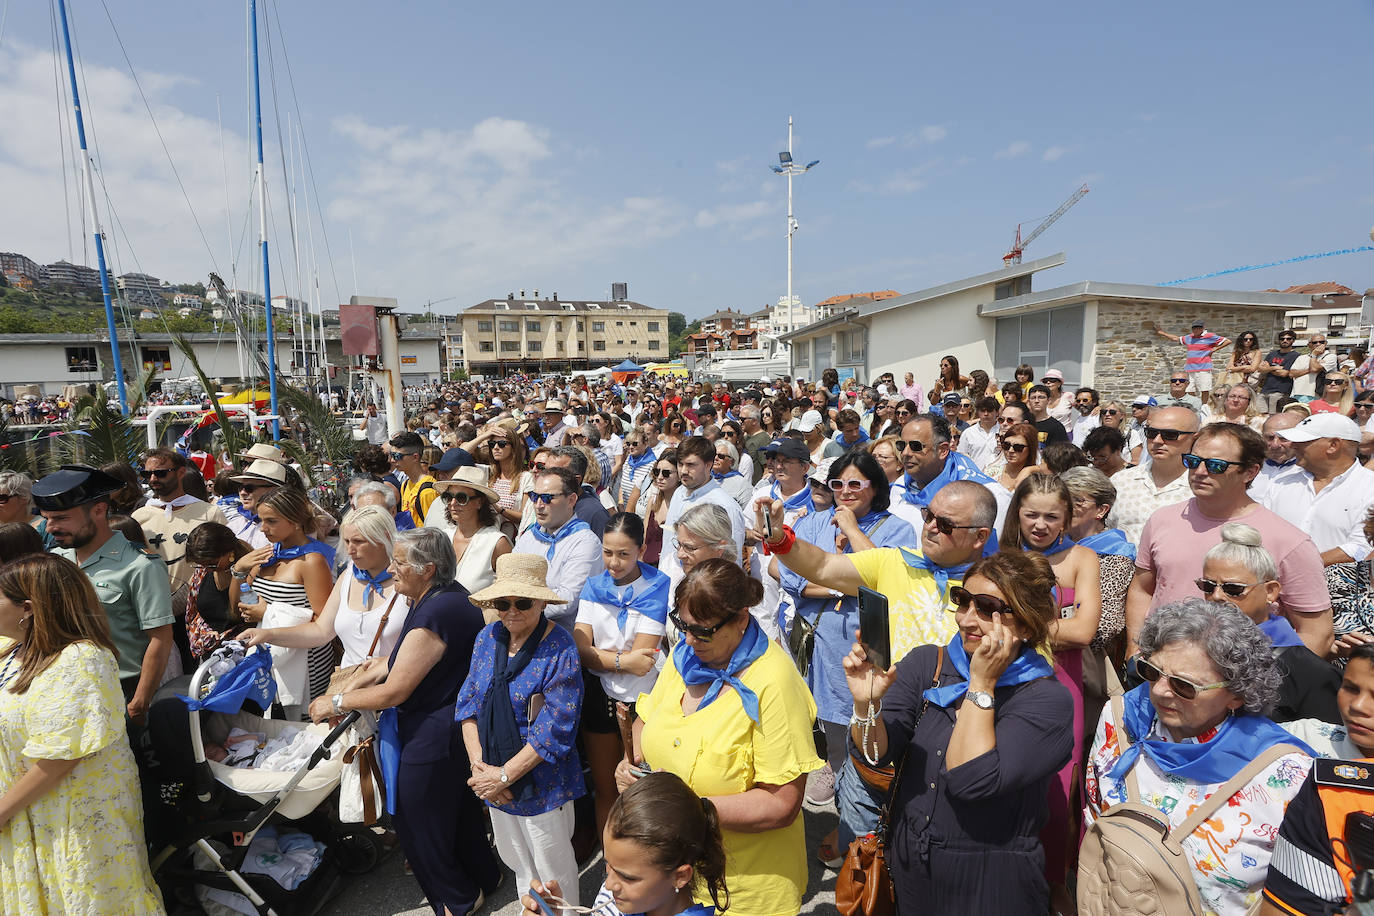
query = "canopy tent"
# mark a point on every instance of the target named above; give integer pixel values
(626, 371)
(676, 369)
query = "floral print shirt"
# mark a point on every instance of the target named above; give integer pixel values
(1229, 853)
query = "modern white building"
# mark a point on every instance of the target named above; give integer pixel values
(789, 316)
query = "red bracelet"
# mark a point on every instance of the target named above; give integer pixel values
(789, 537)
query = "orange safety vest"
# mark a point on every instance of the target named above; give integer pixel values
(1343, 787)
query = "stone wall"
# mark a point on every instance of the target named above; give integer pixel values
(1133, 360)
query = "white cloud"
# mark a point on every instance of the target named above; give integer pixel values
(907, 182)
(1012, 150)
(1054, 153)
(734, 214)
(933, 133)
(879, 142)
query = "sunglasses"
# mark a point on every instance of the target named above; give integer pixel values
(942, 524)
(1014, 447)
(1169, 435)
(540, 466)
(1338, 382)
(983, 605)
(1181, 686)
(696, 630)
(1213, 465)
(853, 486)
(903, 412)
(253, 487)
(159, 473)
(546, 498)
(916, 445)
(1178, 381)
(397, 456)
(1287, 337)
(1229, 589)
(1364, 405)
(665, 473)
(1110, 412)
(461, 499)
(505, 604)
(500, 443)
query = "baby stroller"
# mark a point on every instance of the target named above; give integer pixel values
(221, 809)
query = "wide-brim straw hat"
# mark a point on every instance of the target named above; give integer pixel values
(519, 575)
(474, 478)
(264, 452)
(263, 469)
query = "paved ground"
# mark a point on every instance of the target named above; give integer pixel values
(388, 891)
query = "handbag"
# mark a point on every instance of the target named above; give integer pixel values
(864, 885)
(362, 790)
(342, 678)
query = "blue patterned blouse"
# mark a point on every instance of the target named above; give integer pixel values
(556, 674)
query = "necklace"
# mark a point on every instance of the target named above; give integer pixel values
(6, 674)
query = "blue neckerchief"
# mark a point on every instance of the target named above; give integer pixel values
(958, 466)
(1239, 740)
(839, 437)
(751, 647)
(866, 523)
(650, 598)
(497, 728)
(726, 476)
(636, 463)
(942, 574)
(1061, 544)
(571, 526)
(798, 500)
(1280, 632)
(371, 583)
(1109, 543)
(280, 553)
(244, 513)
(1028, 666)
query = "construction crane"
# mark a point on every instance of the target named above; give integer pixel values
(1020, 244)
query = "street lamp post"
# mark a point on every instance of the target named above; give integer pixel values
(789, 168)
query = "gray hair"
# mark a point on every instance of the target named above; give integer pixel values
(1243, 544)
(1090, 482)
(577, 462)
(1243, 655)
(426, 546)
(374, 524)
(376, 486)
(709, 522)
(984, 513)
(16, 484)
(749, 412)
(592, 433)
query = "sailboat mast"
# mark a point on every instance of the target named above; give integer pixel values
(262, 232)
(117, 363)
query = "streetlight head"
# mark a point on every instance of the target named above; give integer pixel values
(776, 168)
(813, 162)
(785, 157)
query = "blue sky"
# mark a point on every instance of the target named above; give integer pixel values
(476, 149)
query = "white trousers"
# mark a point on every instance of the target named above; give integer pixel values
(538, 848)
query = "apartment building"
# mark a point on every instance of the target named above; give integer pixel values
(723, 321)
(502, 336)
(21, 272)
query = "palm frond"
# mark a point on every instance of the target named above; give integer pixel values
(103, 434)
(137, 394)
(319, 431)
(234, 441)
(15, 453)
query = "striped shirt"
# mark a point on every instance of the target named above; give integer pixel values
(1200, 350)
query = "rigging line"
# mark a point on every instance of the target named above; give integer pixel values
(281, 147)
(160, 139)
(305, 149)
(61, 128)
(4, 15)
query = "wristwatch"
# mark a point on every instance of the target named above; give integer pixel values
(980, 699)
(337, 700)
(504, 779)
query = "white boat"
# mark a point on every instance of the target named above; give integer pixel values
(739, 367)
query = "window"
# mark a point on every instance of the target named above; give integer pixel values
(558, 325)
(560, 346)
(157, 357)
(532, 327)
(81, 359)
(653, 325)
(1337, 321)
(801, 353)
(1017, 286)
(535, 345)
(510, 346)
(485, 346)
(852, 347)
(654, 344)
(598, 326)
(620, 324)
(579, 324)
(484, 327)
(620, 343)
(1053, 338)
(510, 326)
(1300, 323)
(597, 345)
(580, 348)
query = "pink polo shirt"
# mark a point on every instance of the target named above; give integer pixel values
(1177, 537)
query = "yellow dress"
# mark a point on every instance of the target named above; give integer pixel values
(78, 850)
(717, 750)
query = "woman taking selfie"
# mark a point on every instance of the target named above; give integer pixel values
(966, 817)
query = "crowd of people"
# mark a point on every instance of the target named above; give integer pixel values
(626, 616)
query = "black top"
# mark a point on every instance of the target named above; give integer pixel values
(590, 510)
(966, 841)
(1051, 430)
(212, 603)
(1273, 384)
(426, 717)
(1309, 686)
(1308, 884)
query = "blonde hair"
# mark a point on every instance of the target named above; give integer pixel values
(374, 524)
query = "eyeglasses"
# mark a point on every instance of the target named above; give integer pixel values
(397, 456)
(1178, 381)
(903, 412)
(696, 630)
(1169, 435)
(1014, 447)
(1110, 412)
(159, 473)
(545, 498)
(983, 605)
(853, 486)
(505, 604)
(687, 548)
(916, 445)
(1229, 589)
(1181, 686)
(665, 473)
(462, 499)
(942, 524)
(1213, 465)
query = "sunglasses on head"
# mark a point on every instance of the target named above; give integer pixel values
(696, 630)
(916, 445)
(1181, 686)
(1213, 465)
(942, 524)
(450, 496)
(1229, 589)
(545, 498)
(983, 605)
(853, 486)
(159, 473)
(505, 604)
(1168, 435)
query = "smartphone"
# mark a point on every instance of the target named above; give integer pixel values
(873, 631)
(768, 521)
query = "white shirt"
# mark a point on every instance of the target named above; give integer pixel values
(1332, 518)
(980, 445)
(606, 635)
(1268, 471)
(1137, 498)
(575, 559)
(1083, 425)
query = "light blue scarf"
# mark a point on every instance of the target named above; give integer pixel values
(1028, 666)
(571, 526)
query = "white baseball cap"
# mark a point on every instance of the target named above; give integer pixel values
(809, 421)
(1323, 426)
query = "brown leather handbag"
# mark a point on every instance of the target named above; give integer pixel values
(864, 886)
